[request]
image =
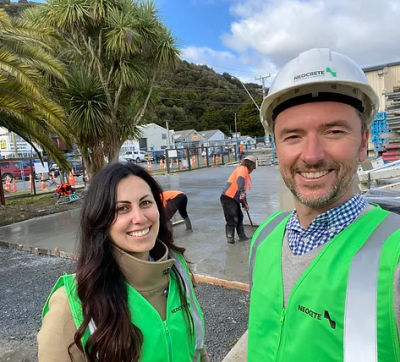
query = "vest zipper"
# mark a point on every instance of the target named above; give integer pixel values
(283, 314)
(168, 340)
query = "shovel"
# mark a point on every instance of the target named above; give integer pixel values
(248, 215)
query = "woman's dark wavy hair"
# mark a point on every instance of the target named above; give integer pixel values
(100, 283)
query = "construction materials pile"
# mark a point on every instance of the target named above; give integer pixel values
(381, 184)
(391, 130)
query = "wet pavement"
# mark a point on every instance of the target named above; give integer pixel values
(206, 246)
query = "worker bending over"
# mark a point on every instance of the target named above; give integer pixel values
(176, 201)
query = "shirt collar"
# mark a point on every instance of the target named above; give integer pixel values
(337, 216)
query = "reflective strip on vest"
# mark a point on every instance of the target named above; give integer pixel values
(262, 236)
(195, 313)
(360, 342)
(360, 319)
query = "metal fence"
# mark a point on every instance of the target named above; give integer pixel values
(187, 159)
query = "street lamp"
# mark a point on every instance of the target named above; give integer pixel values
(248, 93)
(258, 107)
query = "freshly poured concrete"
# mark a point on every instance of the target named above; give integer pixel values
(206, 246)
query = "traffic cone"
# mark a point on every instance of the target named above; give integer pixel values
(8, 184)
(86, 176)
(53, 177)
(216, 161)
(161, 164)
(29, 188)
(14, 186)
(71, 179)
(43, 183)
(149, 166)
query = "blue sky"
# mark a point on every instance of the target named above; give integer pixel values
(249, 38)
(256, 37)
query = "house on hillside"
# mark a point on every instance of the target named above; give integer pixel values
(188, 138)
(213, 137)
(153, 138)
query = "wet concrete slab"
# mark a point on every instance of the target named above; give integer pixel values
(206, 246)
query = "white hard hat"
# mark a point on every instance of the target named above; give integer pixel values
(319, 75)
(251, 158)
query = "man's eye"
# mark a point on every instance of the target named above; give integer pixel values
(291, 138)
(335, 131)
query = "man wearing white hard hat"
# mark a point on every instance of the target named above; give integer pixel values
(325, 279)
(233, 196)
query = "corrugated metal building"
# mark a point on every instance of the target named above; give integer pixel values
(383, 78)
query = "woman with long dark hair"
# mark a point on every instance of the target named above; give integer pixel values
(131, 298)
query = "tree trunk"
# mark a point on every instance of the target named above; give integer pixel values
(113, 156)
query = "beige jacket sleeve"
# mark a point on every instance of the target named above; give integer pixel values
(57, 332)
(204, 356)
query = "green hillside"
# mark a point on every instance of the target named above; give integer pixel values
(195, 96)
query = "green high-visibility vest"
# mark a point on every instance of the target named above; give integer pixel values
(340, 309)
(164, 341)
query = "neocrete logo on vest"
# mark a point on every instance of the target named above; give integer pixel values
(316, 74)
(317, 316)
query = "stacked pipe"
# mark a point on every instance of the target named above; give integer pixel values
(391, 151)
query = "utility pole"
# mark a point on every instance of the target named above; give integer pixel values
(263, 83)
(168, 142)
(266, 134)
(14, 139)
(237, 145)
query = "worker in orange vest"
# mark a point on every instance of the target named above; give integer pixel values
(176, 201)
(233, 195)
(241, 152)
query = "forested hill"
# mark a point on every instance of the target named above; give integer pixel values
(15, 9)
(195, 96)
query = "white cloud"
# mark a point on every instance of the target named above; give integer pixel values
(267, 34)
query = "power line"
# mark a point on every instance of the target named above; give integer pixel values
(215, 66)
(205, 102)
(172, 85)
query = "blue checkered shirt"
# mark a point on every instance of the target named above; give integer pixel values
(324, 227)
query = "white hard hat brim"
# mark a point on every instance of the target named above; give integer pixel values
(359, 91)
(319, 70)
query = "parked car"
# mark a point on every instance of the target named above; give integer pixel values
(14, 169)
(76, 166)
(123, 159)
(137, 156)
(159, 155)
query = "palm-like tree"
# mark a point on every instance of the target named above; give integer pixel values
(25, 106)
(118, 47)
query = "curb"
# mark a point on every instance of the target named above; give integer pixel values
(228, 284)
(238, 353)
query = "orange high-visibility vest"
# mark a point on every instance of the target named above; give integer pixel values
(168, 195)
(237, 183)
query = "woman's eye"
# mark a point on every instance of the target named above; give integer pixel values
(146, 203)
(122, 208)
